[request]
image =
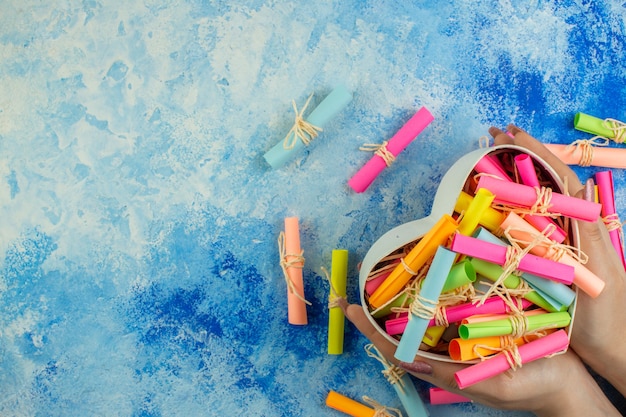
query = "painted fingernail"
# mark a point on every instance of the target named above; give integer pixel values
(417, 367)
(589, 190)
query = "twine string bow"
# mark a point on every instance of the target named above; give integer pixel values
(380, 410)
(287, 261)
(301, 129)
(618, 128)
(333, 299)
(380, 150)
(392, 373)
(586, 148)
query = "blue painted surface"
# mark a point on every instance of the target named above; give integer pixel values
(139, 265)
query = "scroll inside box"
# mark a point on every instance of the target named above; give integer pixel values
(530, 294)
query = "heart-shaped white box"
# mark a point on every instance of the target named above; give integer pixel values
(448, 191)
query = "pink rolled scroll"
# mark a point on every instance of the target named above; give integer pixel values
(372, 284)
(493, 305)
(584, 279)
(604, 180)
(526, 169)
(497, 254)
(439, 396)
(489, 164)
(537, 349)
(520, 195)
(397, 325)
(481, 318)
(407, 133)
(599, 156)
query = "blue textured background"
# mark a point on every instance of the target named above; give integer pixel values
(138, 261)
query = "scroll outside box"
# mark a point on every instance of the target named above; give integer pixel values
(407, 133)
(296, 307)
(336, 319)
(329, 108)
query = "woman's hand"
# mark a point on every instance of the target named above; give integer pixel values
(599, 332)
(559, 386)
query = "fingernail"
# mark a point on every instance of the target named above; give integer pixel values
(590, 190)
(417, 367)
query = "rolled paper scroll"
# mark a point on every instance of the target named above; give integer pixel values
(396, 326)
(606, 196)
(512, 281)
(372, 284)
(526, 169)
(596, 126)
(491, 317)
(462, 273)
(524, 196)
(407, 133)
(498, 254)
(597, 156)
(401, 383)
(401, 300)
(471, 217)
(493, 305)
(439, 396)
(433, 335)
(468, 349)
(556, 305)
(490, 219)
(549, 290)
(336, 319)
(348, 406)
(584, 279)
(292, 263)
(489, 164)
(509, 326)
(423, 307)
(414, 260)
(537, 349)
(378, 276)
(292, 144)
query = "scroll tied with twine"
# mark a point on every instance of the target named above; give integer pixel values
(514, 255)
(613, 223)
(290, 260)
(333, 299)
(381, 410)
(618, 128)
(586, 148)
(541, 206)
(380, 150)
(391, 372)
(423, 308)
(301, 129)
(508, 348)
